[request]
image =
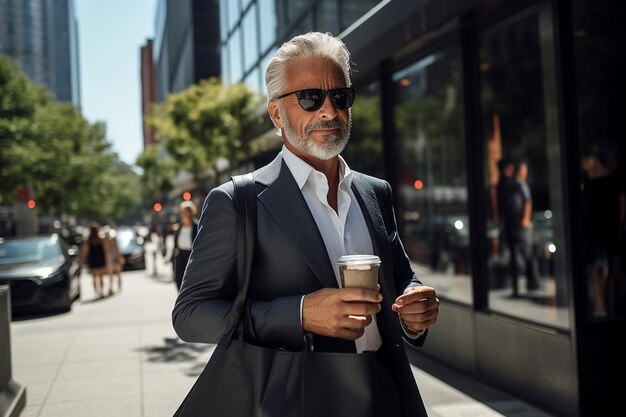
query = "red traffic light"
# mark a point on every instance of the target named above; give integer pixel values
(157, 207)
(31, 204)
(186, 196)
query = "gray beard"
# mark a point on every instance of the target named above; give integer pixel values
(334, 145)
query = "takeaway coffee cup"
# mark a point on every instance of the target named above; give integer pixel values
(359, 271)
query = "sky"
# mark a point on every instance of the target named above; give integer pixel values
(111, 34)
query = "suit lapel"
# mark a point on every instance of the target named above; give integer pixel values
(285, 203)
(370, 206)
(368, 201)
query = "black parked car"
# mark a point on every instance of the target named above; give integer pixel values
(131, 248)
(42, 271)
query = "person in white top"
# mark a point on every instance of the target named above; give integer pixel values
(312, 209)
(183, 238)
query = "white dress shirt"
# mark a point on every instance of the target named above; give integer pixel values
(344, 232)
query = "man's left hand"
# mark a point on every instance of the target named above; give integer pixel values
(418, 308)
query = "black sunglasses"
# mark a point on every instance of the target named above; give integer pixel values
(313, 98)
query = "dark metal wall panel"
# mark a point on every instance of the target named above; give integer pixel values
(452, 339)
(528, 362)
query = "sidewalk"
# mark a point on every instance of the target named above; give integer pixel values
(119, 357)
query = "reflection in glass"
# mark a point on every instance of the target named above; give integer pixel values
(600, 48)
(434, 222)
(526, 263)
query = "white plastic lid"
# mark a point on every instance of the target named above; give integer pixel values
(350, 260)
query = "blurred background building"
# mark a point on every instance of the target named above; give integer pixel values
(447, 89)
(42, 35)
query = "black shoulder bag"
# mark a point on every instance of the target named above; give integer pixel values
(244, 380)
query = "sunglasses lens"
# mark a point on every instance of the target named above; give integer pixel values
(342, 98)
(311, 100)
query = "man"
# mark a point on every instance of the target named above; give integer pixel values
(311, 209)
(514, 216)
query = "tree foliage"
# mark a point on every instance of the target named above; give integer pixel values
(158, 173)
(206, 122)
(53, 150)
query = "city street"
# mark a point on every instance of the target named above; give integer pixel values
(115, 356)
(119, 357)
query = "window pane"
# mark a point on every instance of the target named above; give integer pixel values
(522, 169)
(225, 61)
(433, 214)
(253, 81)
(267, 15)
(233, 13)
(236, 66)
(251, 49)
(223, 20)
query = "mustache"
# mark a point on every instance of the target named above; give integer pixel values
(331, 124)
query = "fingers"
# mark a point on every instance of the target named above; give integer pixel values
(339, 312)
(416, 294)
(418, 307)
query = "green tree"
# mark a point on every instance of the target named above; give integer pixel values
(206, 122)
(158, 174)
(65, 160)
(19, 100)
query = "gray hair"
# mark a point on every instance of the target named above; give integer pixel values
(312, 44)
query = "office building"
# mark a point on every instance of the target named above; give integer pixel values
(42, 36)
(185, 44)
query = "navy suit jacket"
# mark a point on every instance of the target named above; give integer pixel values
(290, 261)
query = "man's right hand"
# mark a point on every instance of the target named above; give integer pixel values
(340, 312)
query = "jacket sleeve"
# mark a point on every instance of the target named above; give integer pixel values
(209, 286)
(404, 276)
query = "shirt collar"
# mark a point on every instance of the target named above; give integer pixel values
(301, 170)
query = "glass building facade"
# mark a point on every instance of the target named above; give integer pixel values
(448, 93)
(42, 35)
(185, 45)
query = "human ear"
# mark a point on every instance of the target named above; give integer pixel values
(274, 112)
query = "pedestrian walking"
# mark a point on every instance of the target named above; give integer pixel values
(186, 231)
(116, 260)
(94, 252)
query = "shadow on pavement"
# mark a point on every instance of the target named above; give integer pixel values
(175, 350)
(161, 277)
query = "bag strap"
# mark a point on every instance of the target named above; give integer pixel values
(245, 207)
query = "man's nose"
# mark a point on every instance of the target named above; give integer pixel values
(328, 109)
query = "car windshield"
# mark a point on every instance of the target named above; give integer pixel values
(125, 238)
(29, 250)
